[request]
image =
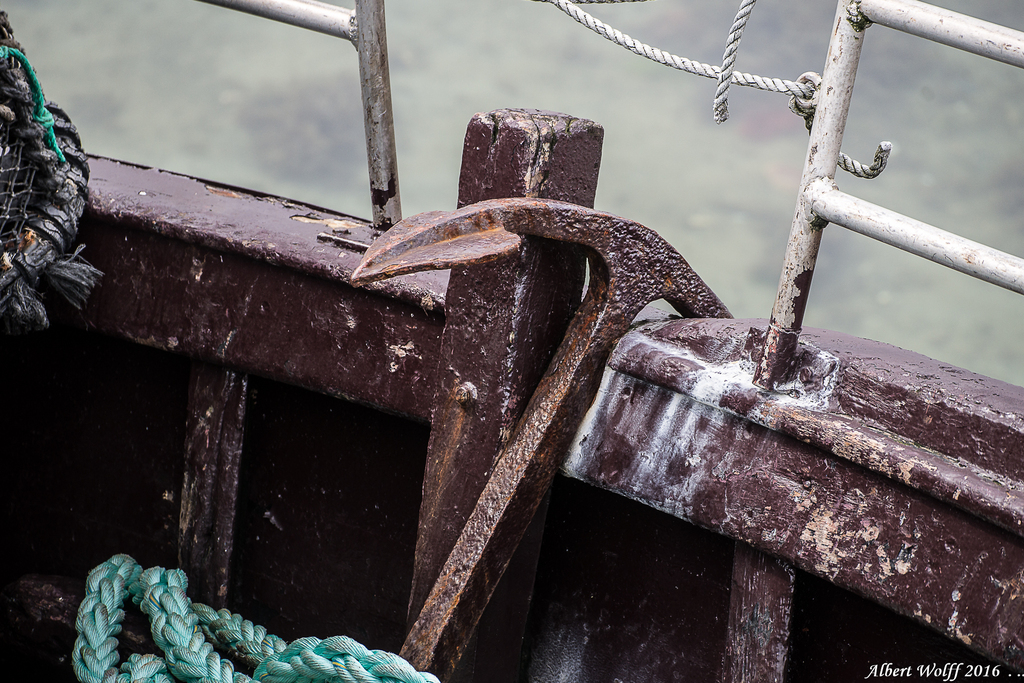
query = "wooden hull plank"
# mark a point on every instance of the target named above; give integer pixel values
(177, 277)
(866, 532)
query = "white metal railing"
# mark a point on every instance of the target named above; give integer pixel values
(309, 14)
(819, 201)
(959, 253)
(364, 28)
(949, 28)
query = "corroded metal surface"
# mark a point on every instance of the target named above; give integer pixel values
(232, 220)
(677, 427)
(378, 112)
(631, 266)
(439, 240)
(823, 149)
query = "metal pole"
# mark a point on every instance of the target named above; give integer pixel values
(949, 28)
(375, 82)
(903, 232)
(309, 14)
(364, 27)
(833, 104)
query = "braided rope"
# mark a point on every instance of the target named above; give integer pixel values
(732, 46)
(99, 619)
(863, 171)
(41, 114)
(240, 638)
(187, 632)
(675, 61)
(802, 91)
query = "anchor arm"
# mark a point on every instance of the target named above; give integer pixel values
(631, 266)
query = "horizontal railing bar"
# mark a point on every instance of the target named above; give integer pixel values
(908, 234)
(309, 14)
(949, 28)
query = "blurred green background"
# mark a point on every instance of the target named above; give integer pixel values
(209, 92)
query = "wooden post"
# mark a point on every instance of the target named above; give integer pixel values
(504, 321)
(760, 606)
(209, 496)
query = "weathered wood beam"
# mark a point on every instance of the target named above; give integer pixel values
(760, 611)
(209, 492)
(677, 427)
(256, 284)
(504, 321)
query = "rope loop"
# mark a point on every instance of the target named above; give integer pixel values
(187, 633)
(802, 92)
(806, 106)
(877, 164)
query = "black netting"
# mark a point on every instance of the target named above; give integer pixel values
(42, 198)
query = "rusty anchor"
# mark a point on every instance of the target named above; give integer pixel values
(630, 267)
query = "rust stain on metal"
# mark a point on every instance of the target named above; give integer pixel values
(487, 230)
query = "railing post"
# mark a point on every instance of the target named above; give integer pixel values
(365, 29)
(833, 104)
(378, 116)
(504, 320)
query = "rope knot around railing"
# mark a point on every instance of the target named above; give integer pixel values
(188, 632)
(802, 92)
(805, 106)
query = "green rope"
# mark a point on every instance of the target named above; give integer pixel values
(187, 633)
(41, 114)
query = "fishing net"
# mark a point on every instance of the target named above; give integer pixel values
(43, 190)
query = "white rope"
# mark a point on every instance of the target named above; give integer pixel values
(729, 59)
(860, 170)
(802, 91)
(676, 62)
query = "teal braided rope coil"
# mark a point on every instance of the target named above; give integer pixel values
(41, 114)
(187, 633)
